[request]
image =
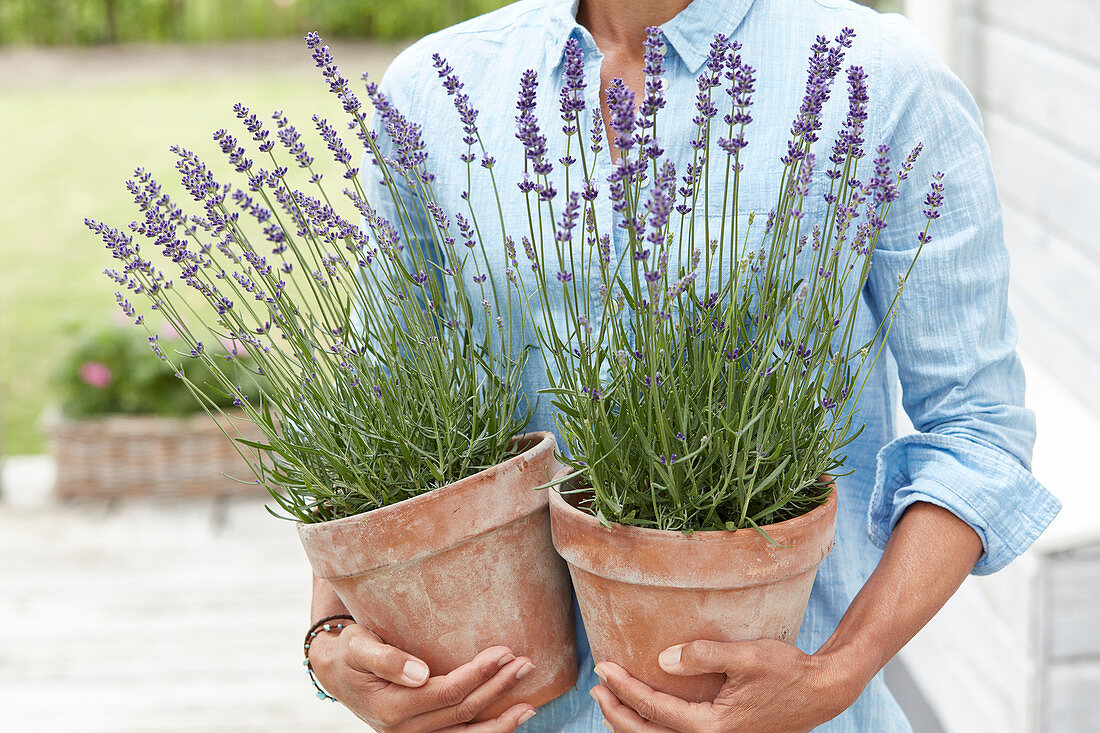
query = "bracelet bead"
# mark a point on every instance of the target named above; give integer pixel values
(325, 625)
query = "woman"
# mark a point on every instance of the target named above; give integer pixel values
(917, 514)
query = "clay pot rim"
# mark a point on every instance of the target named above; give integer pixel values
(705, 559)
(539, 441)
(649, 534)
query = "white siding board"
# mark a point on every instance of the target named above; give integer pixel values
(1072, 699)
(1046, 181)
(1071, 26)
(1073, 597)
(1057, 277)
(1053, 94)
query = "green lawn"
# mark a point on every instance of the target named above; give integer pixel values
(66, 149)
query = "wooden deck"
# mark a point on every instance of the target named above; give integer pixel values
(154, 616)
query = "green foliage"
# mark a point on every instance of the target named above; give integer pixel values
(883, 6)
(714, 381)
(111, 371)
(51, 284)
(84, 22)
(386, 376)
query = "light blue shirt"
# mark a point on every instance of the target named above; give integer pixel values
(954, 339)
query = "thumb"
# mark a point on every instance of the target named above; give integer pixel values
(368, 653)
(701, 657)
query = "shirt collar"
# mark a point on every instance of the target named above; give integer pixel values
(689, 33)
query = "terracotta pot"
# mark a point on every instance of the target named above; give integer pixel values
(643, 590)
(464, 567)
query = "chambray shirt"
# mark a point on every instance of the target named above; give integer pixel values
(953, 342)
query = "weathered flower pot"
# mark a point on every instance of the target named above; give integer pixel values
(643, 590)
(456, 570)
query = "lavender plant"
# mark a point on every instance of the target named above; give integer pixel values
(384, 375)
(712, 383)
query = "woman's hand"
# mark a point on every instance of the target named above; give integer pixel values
(771, 687)
(393, 692)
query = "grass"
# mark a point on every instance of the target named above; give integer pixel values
(66, 149)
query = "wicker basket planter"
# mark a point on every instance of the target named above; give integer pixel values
(146, 455)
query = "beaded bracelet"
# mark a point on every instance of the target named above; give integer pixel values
(322, 625)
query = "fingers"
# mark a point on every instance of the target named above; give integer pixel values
(440, 694)
(465, 704)
(657, 707)
(621, 719)
(701, 657)
(507, 721)
(367, 653)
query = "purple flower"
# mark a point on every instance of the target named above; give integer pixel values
(660, 204)
(466, 113)
(709, 79)
(910, 161)
(510, 250)
(620, 101)
(934, 200)
(741, 78)
(883, 183)
(825, 63)
(466, 230)
(654, 54)
(572, 92)
(529, 250)
(564, 231)
(850, 139)
(802, 182)
(332, 140)
(337, 84)
(527, 126)
(596, 144)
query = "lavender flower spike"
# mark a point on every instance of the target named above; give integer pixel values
(572, 93)
(466, 113)
(620, 101)
(654, 70)
(527, 128)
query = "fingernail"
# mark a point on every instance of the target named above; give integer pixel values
(670, 657)
(415, 671)
(505, 659)
(600, 674)
(526, 716)
(525, 670)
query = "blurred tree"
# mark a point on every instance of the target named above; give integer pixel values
(67, 22)
(884, 6)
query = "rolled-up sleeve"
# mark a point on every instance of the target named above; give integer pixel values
(953, 337)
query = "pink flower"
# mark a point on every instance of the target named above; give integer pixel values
(95, 374)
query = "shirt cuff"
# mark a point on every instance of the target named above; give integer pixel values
(990, 491)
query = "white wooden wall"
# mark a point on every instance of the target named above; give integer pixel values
(1035, 69)
(1019, 652)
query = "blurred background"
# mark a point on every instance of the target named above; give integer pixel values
(134, 604)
